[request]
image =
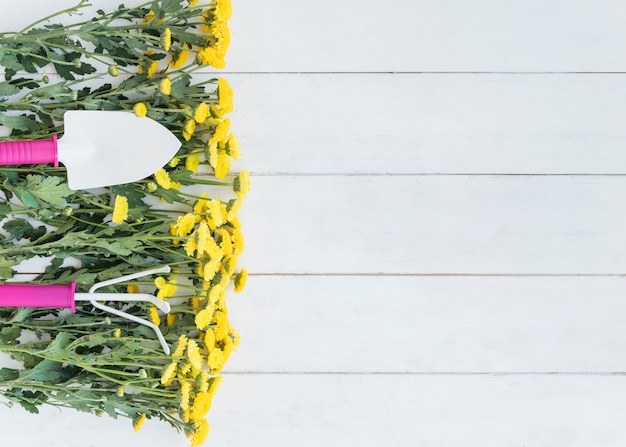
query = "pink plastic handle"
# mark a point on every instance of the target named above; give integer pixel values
(29, 152)
(52, 296)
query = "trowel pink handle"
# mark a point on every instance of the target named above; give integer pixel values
(29, 152)
(54, 296)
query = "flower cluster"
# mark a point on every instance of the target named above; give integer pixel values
(142, 60)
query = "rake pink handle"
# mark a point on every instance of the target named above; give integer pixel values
(52, 296)
(29, 152)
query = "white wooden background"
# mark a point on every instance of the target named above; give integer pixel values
(436, 231)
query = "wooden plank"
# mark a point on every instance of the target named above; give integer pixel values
(429, 35)
(404, 35)
(430, 324)
(409, 123)
(368, 410)
(435, 224)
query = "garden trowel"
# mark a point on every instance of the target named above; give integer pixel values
(99, 148)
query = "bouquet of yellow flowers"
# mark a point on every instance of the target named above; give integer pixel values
(140, 59)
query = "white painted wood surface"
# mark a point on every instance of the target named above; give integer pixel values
(427, 123)
(365, 168)
(436, 224)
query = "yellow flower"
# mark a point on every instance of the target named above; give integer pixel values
(152, 68)
(235, 336)
(223, 165)
(238, 244)
(113, 71)
(120, 209)
(232, 145)
(192, 162)
(240, 280)
(193, 354)
(168, 374)
(210, 56)
(209, 340)
(221, 130)
(230, 265)
(226, 244)
(210, 269)
(120, 391)
(203, 238)
(181, 345)
(191, 246)
(185, 389)
(132, 288)
(223, 9)
(222, 325)
(140, 109)
(201, 113)
(216, 361)
(204, 382)
(220, 30)
(160, 282)
(117, 333)
(185, 368)
(193, 2)
(138, 421)
(166, 39)
(163, 179)
(170, 319)
(241, 184)
(184, 224)
(188, 129)
(165, 86)
(213, 154)
(179, 59)
(186, 415)
(215, 384)
(201, 204)
(216, 293)
(217, 114)
(217, 210)
(150, 17)
(201, 405)
(199, 435)
(228, 347)
(233, 207)
(225, 95)
(168, 290)
(154, 316)
(203, 319)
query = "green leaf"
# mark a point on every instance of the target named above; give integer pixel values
(44, 371)
(4, 210)
(26, 197)
(60, 342)
(9, 61)
(6, 271)
(8, 89)
(121, 247)
(48, 189)
(21, 122)
(9, 334)
(8, 374)
(132, 192)
(50, 91)
(22, 229)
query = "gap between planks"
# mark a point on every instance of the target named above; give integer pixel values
(413, 373)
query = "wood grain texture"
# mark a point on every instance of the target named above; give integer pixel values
(430, 324)
(406, 410)
(429, 35)
(435, 224)
(410, 123)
